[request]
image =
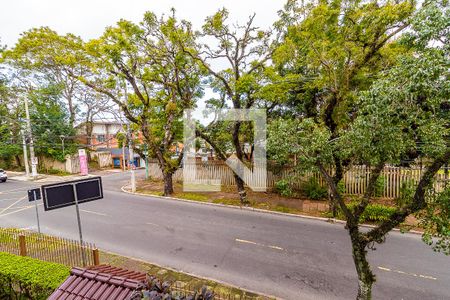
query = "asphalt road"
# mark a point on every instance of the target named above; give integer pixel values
(288, 257)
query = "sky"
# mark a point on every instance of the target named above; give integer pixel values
(88, 18)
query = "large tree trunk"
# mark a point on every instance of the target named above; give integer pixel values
(365, 276)
(18, 163)
(241, 190)
(240, 156)
(168, 184)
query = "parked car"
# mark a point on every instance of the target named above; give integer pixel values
(3, 175)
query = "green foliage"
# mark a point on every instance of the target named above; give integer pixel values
(49, 123)
(407, 190)
(283, 188)
(9, 125)
(341, 187)
(36, 279)
(373, 213)
(379, 186)
(435, 219)
(155, 289)
(313, 190)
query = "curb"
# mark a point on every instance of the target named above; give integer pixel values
(328, 220)
(192, 274)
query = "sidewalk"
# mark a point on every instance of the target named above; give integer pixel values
(21, 176)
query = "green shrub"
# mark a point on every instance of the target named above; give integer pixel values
(373, 212)
(377, 213)
(28, 278)
(313, 190)
(283, 188)
(407, 190)
(379, 186)
(341, 187)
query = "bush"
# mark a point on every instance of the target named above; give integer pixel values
(313, 190)
(283, 188)
(373, 212)
(407, 190)
(28, 278)
(154, 289)
(377, 213)
(379, 186)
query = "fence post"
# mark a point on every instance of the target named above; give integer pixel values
(96, 256)
(22, 245)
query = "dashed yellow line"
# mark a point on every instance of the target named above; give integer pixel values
(259, 244)
(406, 273)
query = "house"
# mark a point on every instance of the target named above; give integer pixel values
(103, 134)
(104, 138)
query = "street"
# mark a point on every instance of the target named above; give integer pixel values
(284, 256)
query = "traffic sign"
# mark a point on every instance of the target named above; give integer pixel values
(58, 195)
(34, 195)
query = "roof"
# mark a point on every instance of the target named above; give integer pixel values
(99, 282)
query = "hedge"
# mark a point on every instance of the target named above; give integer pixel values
(28, 278)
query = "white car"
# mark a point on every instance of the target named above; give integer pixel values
(3, 175)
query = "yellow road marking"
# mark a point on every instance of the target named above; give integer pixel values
(258, 244)
(406, 273)
(93, 212)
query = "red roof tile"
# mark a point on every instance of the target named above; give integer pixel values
(98, 283)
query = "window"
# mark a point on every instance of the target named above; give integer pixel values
(101, 138)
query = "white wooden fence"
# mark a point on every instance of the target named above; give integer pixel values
(355, 180)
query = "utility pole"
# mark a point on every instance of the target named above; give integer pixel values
(25, 153)
(131, 158)
(30, 135)
(146, 160)
(124, 162)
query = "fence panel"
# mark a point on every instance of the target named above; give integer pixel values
(48, 248)
(355, 180)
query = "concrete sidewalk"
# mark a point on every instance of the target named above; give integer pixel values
(21, 176)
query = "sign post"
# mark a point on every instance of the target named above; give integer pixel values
(59, 195)
(35, 195)
(75, 196)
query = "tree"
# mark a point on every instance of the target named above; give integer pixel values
(404, 113)
(10, 143)
(94, 105)
(331, 51)
(49, 123)
(146, 64)
(10, 113)
(50, 56)
(245, 49)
